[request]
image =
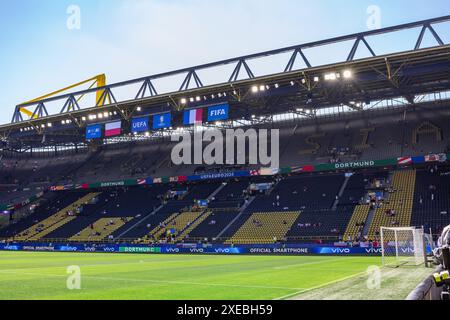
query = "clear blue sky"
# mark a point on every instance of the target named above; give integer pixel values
(128, 39)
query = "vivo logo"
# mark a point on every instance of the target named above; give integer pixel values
(373, 250)
(68, 248)
(407, 250)
(173, 250)
(197, 250)
(15, 248)
(220, 250)
(340, 250)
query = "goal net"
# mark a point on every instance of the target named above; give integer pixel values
(403, 246)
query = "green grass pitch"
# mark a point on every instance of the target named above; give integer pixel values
(31, 275)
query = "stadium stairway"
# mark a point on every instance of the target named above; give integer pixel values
(100, 230)
(139, 223)
(212, 225)
(185, 233)
(179, 223)
(238, 220)
(359, 216)
(174, 221)
(44, 227)
(400, 200)
(264, 228)
(341, 192)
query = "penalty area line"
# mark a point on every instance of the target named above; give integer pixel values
(320, 286)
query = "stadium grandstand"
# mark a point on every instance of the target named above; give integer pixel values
(363, 144)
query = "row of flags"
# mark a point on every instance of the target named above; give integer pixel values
(422, 159)
(160, 121)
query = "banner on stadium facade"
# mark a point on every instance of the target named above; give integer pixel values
(218, 112)
(140, 125)
(94, 131)
(264, 171)
(162, 121)
(113, 129)
(194, 116)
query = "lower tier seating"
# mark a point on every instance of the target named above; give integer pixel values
(55, 221)
(268, 227)
(357, 222)
(101, 229)
(400, 202)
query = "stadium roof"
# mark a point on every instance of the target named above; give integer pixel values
(352, 83)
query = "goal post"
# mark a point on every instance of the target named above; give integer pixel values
(404, 246)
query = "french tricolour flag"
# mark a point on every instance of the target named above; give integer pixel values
(113, 129)
(193, 116)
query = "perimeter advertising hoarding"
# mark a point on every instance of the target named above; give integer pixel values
(195, 249)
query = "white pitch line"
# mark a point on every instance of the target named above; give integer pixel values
(155, 281)
(320, 286)
(306, 264)
(99, 264)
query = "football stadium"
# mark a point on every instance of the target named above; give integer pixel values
(305, 181)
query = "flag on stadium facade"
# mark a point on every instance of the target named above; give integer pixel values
(157, 180)
(298, 169)
(269, 171)
(418, 160)
(194, 116)
(436, 158)
(141, 181)
(113, 129)
(404, 160)
(254, 172)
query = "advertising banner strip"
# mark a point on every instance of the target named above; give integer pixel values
(291, 249)
(265, 171)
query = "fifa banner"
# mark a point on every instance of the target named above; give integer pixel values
(140, 125)
(94, 131)
(218, 112)
(162, 121)
(263, 171)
